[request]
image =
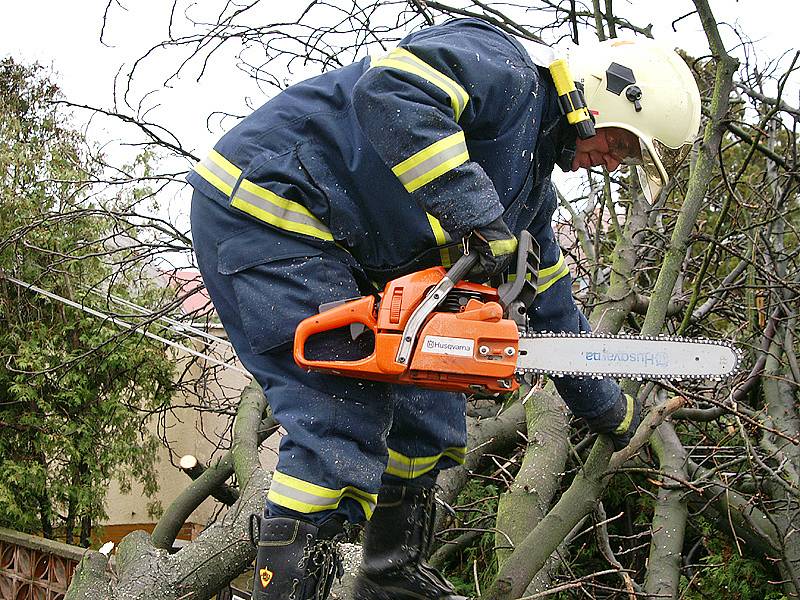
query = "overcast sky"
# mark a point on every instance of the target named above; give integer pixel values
(65, 36)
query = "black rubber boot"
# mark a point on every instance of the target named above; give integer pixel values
(397, 541)
(296, 559)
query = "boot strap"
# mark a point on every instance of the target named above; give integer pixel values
(254, 529)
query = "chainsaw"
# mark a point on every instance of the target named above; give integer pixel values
(434, 330)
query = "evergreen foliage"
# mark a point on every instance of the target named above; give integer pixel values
(73, 390)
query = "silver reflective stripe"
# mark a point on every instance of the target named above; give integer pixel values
(431, 163)
(226, 178)
(544, 282)
(416, 466)
(299, 495)
(442, 81)
(408, 467)
(308, 498)
(258, 201)
(281, 213)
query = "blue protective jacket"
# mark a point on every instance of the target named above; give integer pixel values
(396, 158)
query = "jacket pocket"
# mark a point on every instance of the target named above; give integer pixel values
(277, 281)
(275, 189)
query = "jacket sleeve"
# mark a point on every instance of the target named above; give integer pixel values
(416, 104)
(554, 309)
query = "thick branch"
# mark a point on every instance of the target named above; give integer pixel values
(493, 436)
(211, 480)
(578, 501)
(699, 179)
(536, 483)
(669, 521)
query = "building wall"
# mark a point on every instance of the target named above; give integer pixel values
(187, 430)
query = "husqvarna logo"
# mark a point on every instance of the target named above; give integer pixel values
(435, 344)
(658, 359)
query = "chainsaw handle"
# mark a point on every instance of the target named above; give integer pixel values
(356, 311)
(462, 267)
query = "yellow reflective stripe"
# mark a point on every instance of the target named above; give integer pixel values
(411, 467)
(213, 179)
(626, 422)
(219, 172)
(306, 497)
(543, 287)
(547, 276)
(258, 212)
(403, 60)
(441, 237)
(431, 162)
(550, 275)
(224, 164)
(454, 253)
(260, 202)
(501, 247)
(281, 203)
(287, 213)
(546, 272)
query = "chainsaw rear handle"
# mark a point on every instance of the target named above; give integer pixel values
(356, 311)
(363, 311)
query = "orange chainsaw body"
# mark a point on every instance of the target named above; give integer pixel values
(467, 349)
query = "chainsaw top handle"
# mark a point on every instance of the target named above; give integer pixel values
(521, 287)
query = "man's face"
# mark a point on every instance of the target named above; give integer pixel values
(609, 148)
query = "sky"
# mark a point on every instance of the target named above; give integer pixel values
(66, 37)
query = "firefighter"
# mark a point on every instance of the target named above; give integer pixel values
(377, 169)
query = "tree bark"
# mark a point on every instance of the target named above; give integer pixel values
(669, 520)
(536, 483)
(780, 403)
(578, 500)
(212, 479)
(527, 500)
(493, 436)
(202, 568)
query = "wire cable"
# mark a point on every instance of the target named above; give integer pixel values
(121, 323)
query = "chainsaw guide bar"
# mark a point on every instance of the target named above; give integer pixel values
(635, 357)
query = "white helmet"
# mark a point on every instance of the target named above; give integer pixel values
(647, 89)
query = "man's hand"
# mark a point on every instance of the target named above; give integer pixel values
(621, 436)
(495, 245)
(620, 421)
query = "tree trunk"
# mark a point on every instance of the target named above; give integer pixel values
(202, 568)
(780, 402)
(580, 499)
(493, 436)
(86, 531)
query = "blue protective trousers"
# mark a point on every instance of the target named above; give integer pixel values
(343, 435)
